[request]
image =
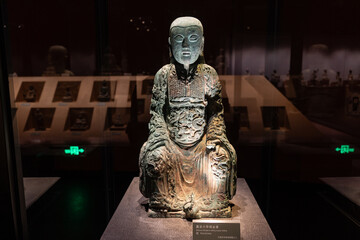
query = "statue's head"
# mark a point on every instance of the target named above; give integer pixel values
(186, 39)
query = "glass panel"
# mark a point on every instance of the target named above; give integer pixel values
(82, 75)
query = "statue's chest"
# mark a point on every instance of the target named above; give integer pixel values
(187, 104)
(194, 88)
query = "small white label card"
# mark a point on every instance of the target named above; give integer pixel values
(209, 229)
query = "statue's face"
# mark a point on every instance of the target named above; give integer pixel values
(186, 44)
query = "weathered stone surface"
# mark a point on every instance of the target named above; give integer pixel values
(187, 165)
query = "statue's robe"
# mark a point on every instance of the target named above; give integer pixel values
(179, 173)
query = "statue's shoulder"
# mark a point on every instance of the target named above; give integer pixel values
(207, 68)
(163, 72)
(160, 80)
(213, 86)
(209, 72)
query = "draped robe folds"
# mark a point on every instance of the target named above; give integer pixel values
(180, 175)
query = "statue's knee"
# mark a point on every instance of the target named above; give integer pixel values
(156, 161)
(220, 162)
(220, 154)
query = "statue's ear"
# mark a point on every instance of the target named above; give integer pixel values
(202, 43)
(169, 41)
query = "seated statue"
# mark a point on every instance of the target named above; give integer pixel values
(68, 95)
(350, 76)
(325, 79)
(355, 104)
(313, 81)
(187, 165)
(104, 93)
(337, 81)
(275, 78)
(118, 121)
(30, 95)
(57, 61)
(39, 120)
(81, 122)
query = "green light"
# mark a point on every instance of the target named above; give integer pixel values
(74, 150)
(344, 149)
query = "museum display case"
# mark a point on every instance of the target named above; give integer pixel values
(79, 88)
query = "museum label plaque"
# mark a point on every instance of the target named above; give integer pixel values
(216, 229)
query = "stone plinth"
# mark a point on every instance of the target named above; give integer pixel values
(130, 220)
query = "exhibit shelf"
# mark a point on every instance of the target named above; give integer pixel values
(49, 119)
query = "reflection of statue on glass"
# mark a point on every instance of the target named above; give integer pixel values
(275, 120)
(220, 62)
(324, 79)
(57, 60)
(302, 80)
(275, 78)
(30, 95)
(187, 166)
(338, 78)
(350, 76)
(104, 93)
(313, 80)
(355, 104)
(39, 120)
(117, 120)
(68, 95)
(109, 66)
(81, 122)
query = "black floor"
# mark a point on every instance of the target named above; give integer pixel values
(76, 208)
(79, 207)
(305, 211)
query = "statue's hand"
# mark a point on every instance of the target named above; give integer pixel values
(157, 161)
(190, 208)
(214, 147)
